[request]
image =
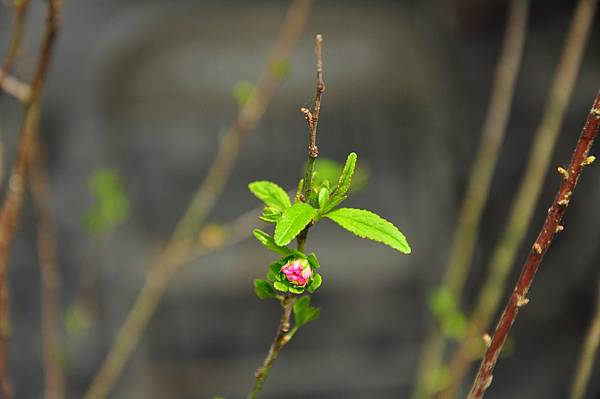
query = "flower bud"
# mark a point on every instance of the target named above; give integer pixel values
(297, 271)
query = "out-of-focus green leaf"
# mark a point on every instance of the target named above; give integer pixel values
(110, 206)
(243, 92)
(444, 307)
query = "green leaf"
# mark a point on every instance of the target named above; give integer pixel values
(334, 201)
(293, 221)
(243, 92)
(270, 215)
(303, 312)
(323, 196)
(281, 68)
(271, 194)
(445, 308)
(339, 193)
(263, 289)
(366, 224)
(280, 286)
(346, 177)
(111, 206)
(266, 240)
(315, 283)
(328, 170)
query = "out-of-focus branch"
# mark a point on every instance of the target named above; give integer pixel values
(551, 227)
(176, 251)
(21, 8)
(50, 280)
(469, 219)
(11, 207)
(529, 191)
(13, 86)
(588, 353)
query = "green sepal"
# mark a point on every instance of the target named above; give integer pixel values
(268, 241)
(263, 289)
(312, 260)
(295, 289)
(303, 312)
(280, 286)
(274, 272)
(314, 283)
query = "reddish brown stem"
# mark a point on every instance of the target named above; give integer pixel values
(11, 207)
(551, 227)
(49, 271)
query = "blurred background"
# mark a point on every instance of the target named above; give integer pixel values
(139, 95)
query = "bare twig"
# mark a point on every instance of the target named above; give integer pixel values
(177, 250)
(13, 86)
(479, 182)
(284, 335)
(551, 227)
(48, 260)
(588, 353)
(21, 8)
(281, 339)
(529, 191)
(11, 207)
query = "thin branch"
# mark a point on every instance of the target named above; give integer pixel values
(14, 47)
(588, 354)
(11, 207)
(281, 339)
(551, 227)
(284, 335)
(48, 260)
(13, 86)
(530, 187)
(177, 250)
(469, 219)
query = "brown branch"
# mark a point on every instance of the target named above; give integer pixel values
(11, 207)
(471, 210)
(281, 339)
(177, 250)
(551, 227)
(21, 8)
(312, 119)
(588, 353)
(503, 257)
(48, 261)
(284, 335)
(13, 86)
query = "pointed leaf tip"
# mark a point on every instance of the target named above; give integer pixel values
(369, 225)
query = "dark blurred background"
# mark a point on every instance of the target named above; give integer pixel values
(145, 88)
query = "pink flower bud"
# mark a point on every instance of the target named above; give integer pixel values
(297, 271)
